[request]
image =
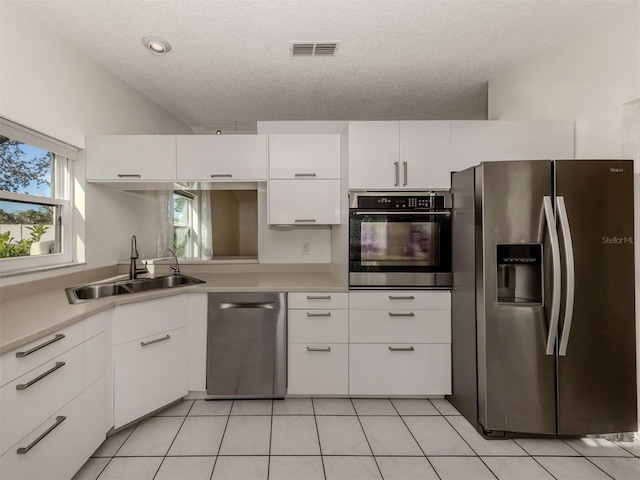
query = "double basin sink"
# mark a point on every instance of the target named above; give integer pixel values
(123, 287)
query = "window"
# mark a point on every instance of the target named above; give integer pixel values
(183, 237)
(35, 200)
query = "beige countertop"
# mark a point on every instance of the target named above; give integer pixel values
(29, 318)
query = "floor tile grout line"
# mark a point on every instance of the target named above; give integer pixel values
(184, 419)
(221, 440)
(415, 439)
(543, 467)
(595, 465)
(270, 441)
(116, 452)
(315, 419)
(366, 438)
(460, 435)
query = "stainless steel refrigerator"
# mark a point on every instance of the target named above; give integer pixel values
(543, 318)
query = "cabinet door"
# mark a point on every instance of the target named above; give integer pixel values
(304, 156)
(387, 369)
(473, 142)
(425, 154)
(304, 202)
(315, 369)
(148, 374)
(374, 156)
(222, 157)
(131, 157)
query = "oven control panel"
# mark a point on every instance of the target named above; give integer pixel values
(401, 202)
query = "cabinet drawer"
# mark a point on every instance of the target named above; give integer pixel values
(318, 326)
(400, 299)
(318, 369)
(400, 326)
(149, 376)
(61, 452)
(374, 369)
(28, 400)
(21, 360)
(139, 320)
(318, 300)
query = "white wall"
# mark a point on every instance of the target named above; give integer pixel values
(585, 79)
(50, 86)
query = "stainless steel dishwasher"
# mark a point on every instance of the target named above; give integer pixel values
(247, 345)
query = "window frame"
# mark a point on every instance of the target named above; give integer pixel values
(63, 180)
(192, 199)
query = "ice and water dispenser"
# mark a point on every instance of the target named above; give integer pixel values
(519, 274)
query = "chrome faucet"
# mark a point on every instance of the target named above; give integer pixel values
(133, 270)
(176, 267)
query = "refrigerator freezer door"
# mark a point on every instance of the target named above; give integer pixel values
(516, 379)
(597, 376)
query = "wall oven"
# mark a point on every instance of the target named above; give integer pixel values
(400, 240)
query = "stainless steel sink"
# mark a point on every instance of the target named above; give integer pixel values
(95, 291)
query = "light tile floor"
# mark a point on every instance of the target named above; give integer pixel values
(320, 438)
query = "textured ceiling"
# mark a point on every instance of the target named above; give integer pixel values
(398, 59)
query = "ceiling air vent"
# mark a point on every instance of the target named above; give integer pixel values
(314, 48)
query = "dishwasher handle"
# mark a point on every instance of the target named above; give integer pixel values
(266, 305)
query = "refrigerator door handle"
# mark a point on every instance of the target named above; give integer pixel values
(571, 275)
(555, 264)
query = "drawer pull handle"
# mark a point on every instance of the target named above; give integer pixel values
(129, 175)
(59, 336)
(59, 420)
(221, 175)
(401, 349)
(310, 314)
(410, 314)
(24, 386)
(305, 220)
(318, 349)
(161, 339)
(401, 297)
(305, 174)
(318, 297)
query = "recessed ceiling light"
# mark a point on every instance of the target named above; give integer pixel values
(156, 45)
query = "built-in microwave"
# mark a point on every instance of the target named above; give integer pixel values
(400, 240)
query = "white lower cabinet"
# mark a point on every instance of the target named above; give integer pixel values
(318, 369)
(318, 350)
(400, 343)
(54, 402)
(150, 367)
(400, 369)
(58, 447)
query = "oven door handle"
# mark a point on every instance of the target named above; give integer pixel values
(393, 212)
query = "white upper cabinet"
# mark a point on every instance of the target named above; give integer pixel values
(425, 153)
(222, 157)
(304, 156)
(374, 155)
(304, 179)
(304, 202)
(135, 158)
(473, 142)
(399, 155)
